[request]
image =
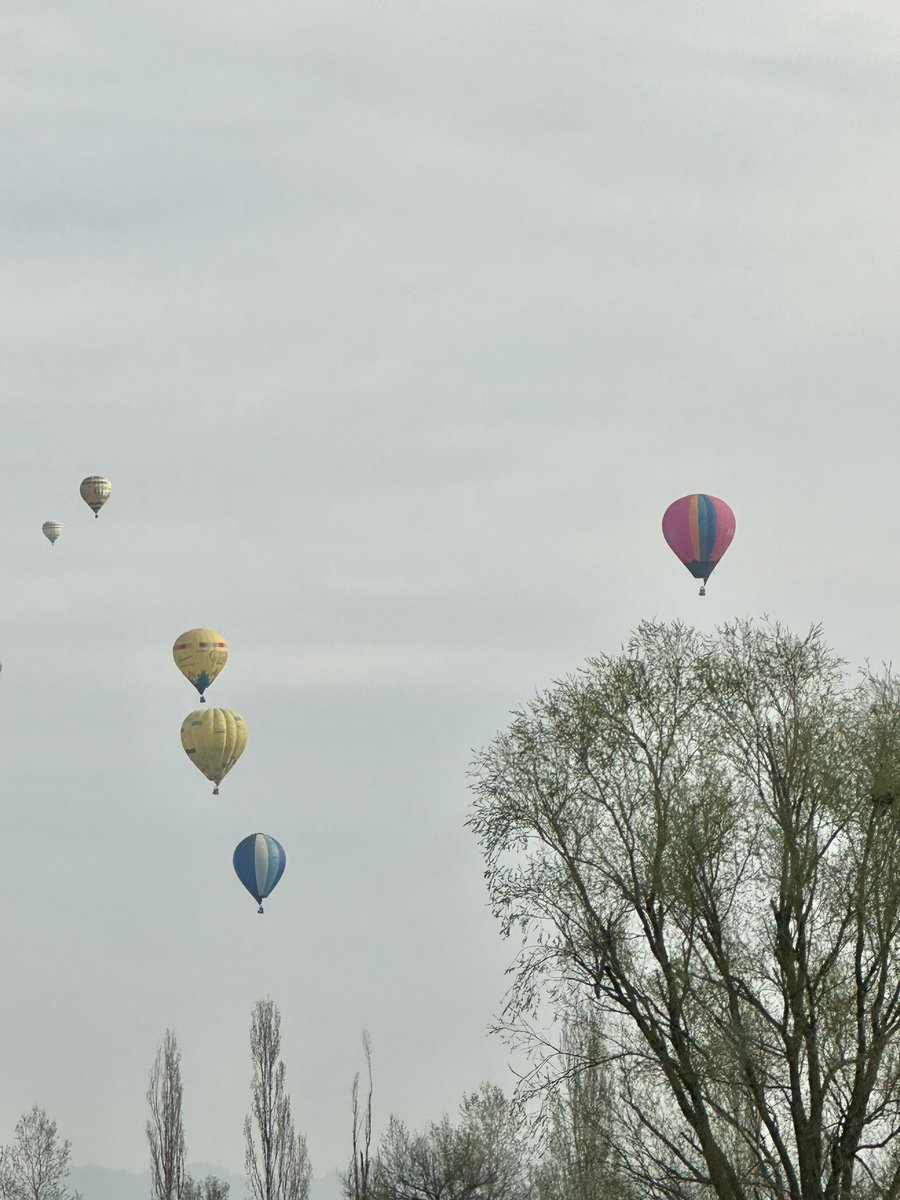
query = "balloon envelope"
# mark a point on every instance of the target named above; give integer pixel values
(200, 654)
(51, 530)
(95, 492)
(214, 739)
(259, 864)
(699, 529)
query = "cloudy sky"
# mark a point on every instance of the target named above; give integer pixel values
(396, 326)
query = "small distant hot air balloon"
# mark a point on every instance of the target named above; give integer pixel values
(214, 739)
(699, 530)
(200, 654)
(259, 863)
(51, 530)
(95, 492)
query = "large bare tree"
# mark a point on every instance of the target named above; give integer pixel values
(701, 836)
(35, 1166)
(276, 1158)
(165, 1127)
(359, 1180)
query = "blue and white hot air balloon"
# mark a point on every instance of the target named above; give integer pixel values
(259, 863)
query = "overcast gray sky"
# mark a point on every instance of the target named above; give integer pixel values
(396, 327)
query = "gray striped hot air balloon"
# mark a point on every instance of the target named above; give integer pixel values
(51, 530)
(95, 492)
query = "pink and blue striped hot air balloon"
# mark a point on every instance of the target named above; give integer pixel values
(699, 530)
(259, 864)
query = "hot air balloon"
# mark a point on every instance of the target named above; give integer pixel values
(95, 492)
(214, 739)
(259, 863)
(699, 530)
(51, 530)
(200, 654)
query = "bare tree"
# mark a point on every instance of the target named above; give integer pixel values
(480, 1157)
(701, 836)
(276, 1159)
(357, 1184)
(165, 1128)
(36, 1165)
(209, 1188)
(578, 1158)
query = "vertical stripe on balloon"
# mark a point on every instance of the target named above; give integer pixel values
(261, 863)
(706, 527)
(694, 524)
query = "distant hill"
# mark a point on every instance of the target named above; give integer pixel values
(102, 1183)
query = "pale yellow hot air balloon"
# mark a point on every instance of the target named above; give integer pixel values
(214, 739)
(51, 530)
(200, 654)
(95, 492)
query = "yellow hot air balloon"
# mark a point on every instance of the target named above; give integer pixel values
(200, 654)
(51, 530)
(214, 739)
(95, 492)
